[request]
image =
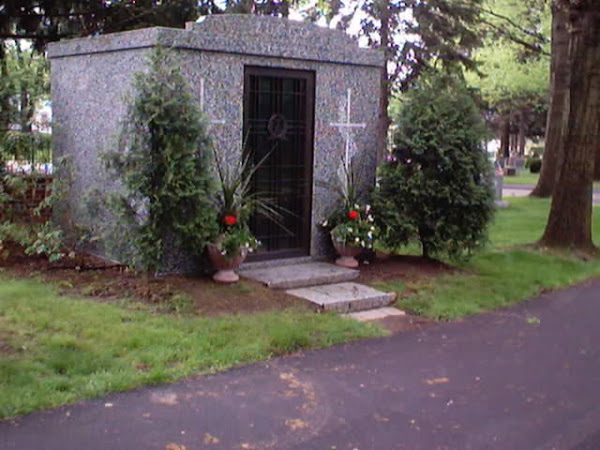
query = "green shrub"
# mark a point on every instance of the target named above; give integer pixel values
(537, 150)
(162, 163)
(436, 186)
(535, 165)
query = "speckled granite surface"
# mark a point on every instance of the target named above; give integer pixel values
(91, 79)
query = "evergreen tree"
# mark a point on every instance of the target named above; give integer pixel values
(436, 187)
(163, 165)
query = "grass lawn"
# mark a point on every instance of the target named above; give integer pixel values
(56, 350)
(506, 272)
(524, 177)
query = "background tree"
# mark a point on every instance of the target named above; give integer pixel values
(569, 223)
(559, 88)
(511, 89)
(512, 69)
(24, 84)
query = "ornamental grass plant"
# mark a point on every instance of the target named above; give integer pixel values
(235, 202)
(352, 223)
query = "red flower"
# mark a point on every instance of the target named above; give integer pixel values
(353, 215)
(229, 220)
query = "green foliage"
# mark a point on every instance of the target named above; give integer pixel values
(504, 274)
(32, 147)
(497, 280)
(357, 228)
(436, 186)
(535, 164)
(26, 227)
(163, 165)
(234, 239)
(350, 222)
(24, 84)
(537, 151)
(235, 195)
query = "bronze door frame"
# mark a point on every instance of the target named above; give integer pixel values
(304, 221)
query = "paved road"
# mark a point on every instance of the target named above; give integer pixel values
(524, 378)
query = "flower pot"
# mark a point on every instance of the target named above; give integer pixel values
(224, 264)
(347, 254)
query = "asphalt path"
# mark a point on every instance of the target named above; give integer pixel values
(521, 378)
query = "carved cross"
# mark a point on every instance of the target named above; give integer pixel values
(347, 127)
(210, 121)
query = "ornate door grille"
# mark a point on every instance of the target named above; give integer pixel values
(278, 128)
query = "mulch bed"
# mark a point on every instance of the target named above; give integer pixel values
(94, 278)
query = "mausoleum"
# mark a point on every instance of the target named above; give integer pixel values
(305, 95)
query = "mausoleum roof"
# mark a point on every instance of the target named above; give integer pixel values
(242, 34)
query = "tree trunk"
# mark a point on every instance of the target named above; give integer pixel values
(559, 78)
(597, 165)
(385, 88)
(4, 91)
(522, 132)
(513, 133)
(504, 150)
(570, 221)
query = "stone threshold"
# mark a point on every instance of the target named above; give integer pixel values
(276, 263)
(299, 275)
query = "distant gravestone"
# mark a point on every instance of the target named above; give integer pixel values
(499, 185)
(304, 96)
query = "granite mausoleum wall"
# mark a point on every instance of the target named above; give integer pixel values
(92, 77)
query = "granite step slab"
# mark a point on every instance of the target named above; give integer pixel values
(344, 297)
(299, 275)
(276, 263)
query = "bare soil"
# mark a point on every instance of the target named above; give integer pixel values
(94, 278)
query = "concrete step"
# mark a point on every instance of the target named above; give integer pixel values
(344, 297)
(299, 275)
(276, 263)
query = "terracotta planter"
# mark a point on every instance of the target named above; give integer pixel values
(348, 254)
(225, 265)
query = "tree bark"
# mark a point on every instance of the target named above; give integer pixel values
(570, 220)
(385, 88)
(4, 91)
(597, 165)
(559, 78)
(505, 137)
(513, 132)
(522, 132)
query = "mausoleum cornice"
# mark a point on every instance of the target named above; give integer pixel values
(234, 34)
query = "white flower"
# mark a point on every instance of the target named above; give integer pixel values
(357, 239)
(370, 235)
(362, 244)
(372, 228)
(370, 218)
(356, 206)
(349, 230)
(325, 223)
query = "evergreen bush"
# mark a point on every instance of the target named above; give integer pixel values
(535, 164)
(436, 185)
(163, 166)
